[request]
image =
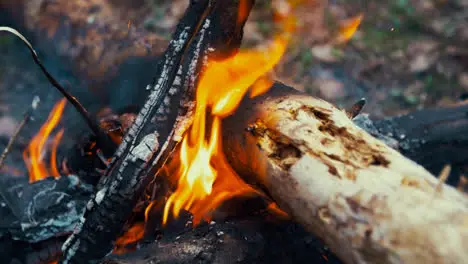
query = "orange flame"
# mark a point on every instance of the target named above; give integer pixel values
(133, 234)
(53, 156)
(260, 86)
(205, 178)
(33, 156)
(348, 29)
(274, 209)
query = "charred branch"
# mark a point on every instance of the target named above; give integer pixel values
(155, 132)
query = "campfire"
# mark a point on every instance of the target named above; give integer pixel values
(215, 132)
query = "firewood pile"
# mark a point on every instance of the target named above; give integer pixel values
(202, 171)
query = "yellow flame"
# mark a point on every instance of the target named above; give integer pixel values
(205, 178)
(53, 155)
(34, 154)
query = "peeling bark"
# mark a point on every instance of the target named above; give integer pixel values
(366, 201)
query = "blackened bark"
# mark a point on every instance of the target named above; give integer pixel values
(109, 208)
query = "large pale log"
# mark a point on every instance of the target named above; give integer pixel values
(366, 201)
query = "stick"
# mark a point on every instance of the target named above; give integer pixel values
(3, 157)
(26, 118)
(104, 141)
(13, 139)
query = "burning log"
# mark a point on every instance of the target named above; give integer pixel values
(364, 199)
(207, 27)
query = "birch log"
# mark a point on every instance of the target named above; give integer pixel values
(366, 201)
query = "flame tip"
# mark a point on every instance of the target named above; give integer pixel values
(33, 155)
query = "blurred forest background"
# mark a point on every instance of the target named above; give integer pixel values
(405, 55)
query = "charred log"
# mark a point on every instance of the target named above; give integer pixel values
(156, 130)
(432, 137)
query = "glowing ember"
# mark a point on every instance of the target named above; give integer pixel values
(34, 154)
(205, 178)
(274, 209)
(133, 234)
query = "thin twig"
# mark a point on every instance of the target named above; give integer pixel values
(356, 108)
(91, 122)
(13, 138)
